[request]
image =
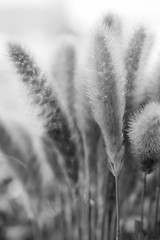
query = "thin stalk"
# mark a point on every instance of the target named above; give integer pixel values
(142, 204)
(156, 213)
(79, 210)
(87, 186)
(99, 189)
(105, 212)
(89, 218)
(75, 228)
(157, 204)
(113, 220)
(150, 207)
(36, 231)
(117, 208)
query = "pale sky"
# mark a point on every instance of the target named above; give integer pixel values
(124, 6)
(143, 10)
(83, 12)
(88, 10)
(93, 7)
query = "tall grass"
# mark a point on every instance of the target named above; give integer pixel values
(81, 174)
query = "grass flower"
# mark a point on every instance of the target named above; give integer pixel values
(106, 91)
(63, 71)
(115, 23)
(144, 135)
(136, 57)
(43, 97)
(63, 79)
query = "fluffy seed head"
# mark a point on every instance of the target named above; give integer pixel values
(137, 54)
(144, 135)
(114, 22)
(43, 97)
(63, 80)
(63, 72)
(106, 91)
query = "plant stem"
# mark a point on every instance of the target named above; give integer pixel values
(36, 230)
(89, 218)
(87, 186)
(106, 203)
(156, 213)
(117, 209)
(113, 224)
(157, 203)
(142, 203)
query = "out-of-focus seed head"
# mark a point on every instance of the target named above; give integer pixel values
(144, 135)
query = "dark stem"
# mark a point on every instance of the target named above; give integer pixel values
(106, 203)
(87, 186)
(36, 230)
(109, 204)
(117, 208)
(89, 218)
(113, 225)
(157, 203)
(79, 216)
(142, 204)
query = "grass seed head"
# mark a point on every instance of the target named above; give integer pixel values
(137, 54)
(144, 135)
(106, 91)
(43, 97)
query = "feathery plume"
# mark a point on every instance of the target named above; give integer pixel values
(144, 135)
(63, 71)
(114, 22)
(44, 98)
(106, 92)
(153, 84)
(136, 57)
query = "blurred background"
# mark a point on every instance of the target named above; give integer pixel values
(38, 22)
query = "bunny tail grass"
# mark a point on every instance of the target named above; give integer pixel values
(63, 72)
(137, 54)
(106, 92)
(144, 135)
(43, 97)
(153, 87)
(63, 75)
(114, 22)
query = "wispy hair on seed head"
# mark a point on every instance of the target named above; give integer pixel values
(63, 72)
(153, 83)
(136, 57)
(144, 135)
(114, 22)
(43, 97)
(106, 88)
